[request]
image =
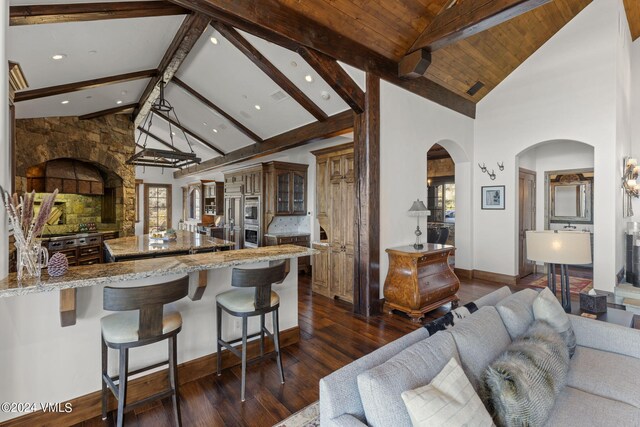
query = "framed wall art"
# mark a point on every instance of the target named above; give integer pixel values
(493, 197)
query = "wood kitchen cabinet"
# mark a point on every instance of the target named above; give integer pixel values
(213, 198)
(285, 190)
(335, 202)
(290, 239)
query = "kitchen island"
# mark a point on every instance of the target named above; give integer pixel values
(141, 247)
(31, 312)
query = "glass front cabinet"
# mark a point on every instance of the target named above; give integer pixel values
(288, 184)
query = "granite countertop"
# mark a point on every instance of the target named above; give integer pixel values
(141, 245)
(288, 234)
(321, 243)
(113, 273)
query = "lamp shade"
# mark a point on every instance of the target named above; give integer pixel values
(419, 209)
(559, 247)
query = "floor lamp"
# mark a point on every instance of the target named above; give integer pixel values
(559, 247)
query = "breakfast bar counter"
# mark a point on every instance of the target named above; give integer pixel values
(137, 247)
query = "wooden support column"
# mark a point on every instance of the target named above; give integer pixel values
(367, 203)
(197, 284)
(68, 307)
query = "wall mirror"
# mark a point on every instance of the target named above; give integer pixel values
(570, 197)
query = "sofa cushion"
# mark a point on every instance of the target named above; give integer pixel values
(521, 385)
(516, 311)
(339, 390)
(381, 387)
(546, 307)
(605, 374)
(479, 338)
(448, 400)
(579, 408)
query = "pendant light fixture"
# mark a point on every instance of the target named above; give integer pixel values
(154, 157)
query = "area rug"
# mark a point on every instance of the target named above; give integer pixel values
(576, 284)
(306, 417)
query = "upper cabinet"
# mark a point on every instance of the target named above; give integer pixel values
(213, 198)
(285, 189)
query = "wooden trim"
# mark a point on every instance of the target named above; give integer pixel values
(12, 145)
(191, 91)
(282, 25)
(68, 307)
(87, 84)
(495, 277)
(169, 188)
(463, 274)
(59, 13)
(339, 80)
(197, 284)
(188, 132)
(90, 405)
(17, 80)
(366, 150)
(254, 55)
(335, 125)
(462, 20)
(102, 113)
(188, 34)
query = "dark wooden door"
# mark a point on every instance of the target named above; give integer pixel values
(527, 218)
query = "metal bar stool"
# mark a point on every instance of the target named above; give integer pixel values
(247, 302)
(147, 317)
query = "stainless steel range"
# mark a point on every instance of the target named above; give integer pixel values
(59, 243)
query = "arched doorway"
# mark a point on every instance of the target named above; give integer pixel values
(556, 182)
(441, 196)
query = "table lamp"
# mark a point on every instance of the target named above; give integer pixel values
(418, 209)
(559, 247)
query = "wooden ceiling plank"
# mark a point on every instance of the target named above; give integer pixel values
(278, 77)
(87, 84)
(184, 129)
(336, 77)
(78, 12)
(291, 29)
(335, 125)
(467, 18)
(102, 113)
(186, 37)
(242, 128)
(160, 140)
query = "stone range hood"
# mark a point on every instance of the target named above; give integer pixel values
(67, 175)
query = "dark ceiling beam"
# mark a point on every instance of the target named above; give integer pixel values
(279, 24)
(188, 34)
(339, 80)
(198, 138)
(102, 113)
(335, 125)
(243, 45)
(87, 84)
(59, 13)
(466, 18)
(191, 91)
(160, 140)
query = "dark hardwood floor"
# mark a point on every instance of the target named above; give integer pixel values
(331, 337)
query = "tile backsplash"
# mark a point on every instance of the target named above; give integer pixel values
(290, 224)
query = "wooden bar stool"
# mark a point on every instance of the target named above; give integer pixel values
(147, 317)
(254, 298)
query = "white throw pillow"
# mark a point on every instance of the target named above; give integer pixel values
(547, 307)
(448, 400)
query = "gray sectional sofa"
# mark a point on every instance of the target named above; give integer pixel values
(603, 387)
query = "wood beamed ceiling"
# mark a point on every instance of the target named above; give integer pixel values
(463, 48)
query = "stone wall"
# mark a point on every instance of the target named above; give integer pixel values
(106, 142)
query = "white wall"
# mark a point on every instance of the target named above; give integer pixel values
(5, 162)
(409, 126)
(555, 156)
(565, 90)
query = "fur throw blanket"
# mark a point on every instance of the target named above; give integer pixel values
(520, 387)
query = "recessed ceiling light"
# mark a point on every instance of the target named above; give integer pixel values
(204, 123)
(58, 56)
(257, 107)
(309, 78)
(65, 102)
(173, 134)
(294, 64)
(215, 130)
(214, 40)
(118, 102)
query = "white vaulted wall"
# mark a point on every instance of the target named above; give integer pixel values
(569, 89)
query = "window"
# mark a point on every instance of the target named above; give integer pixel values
(441, 199)
(157, 207)
(195, 202)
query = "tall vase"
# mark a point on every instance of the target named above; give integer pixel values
(31, 261)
